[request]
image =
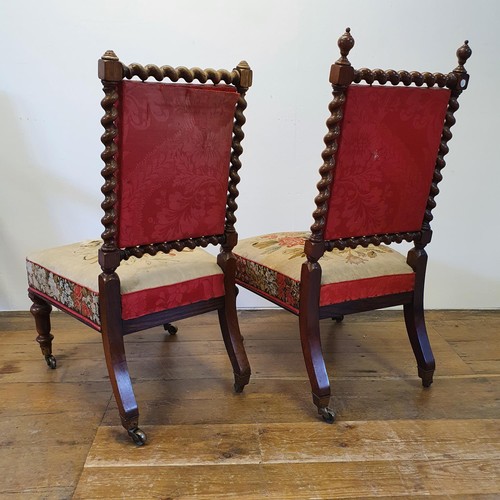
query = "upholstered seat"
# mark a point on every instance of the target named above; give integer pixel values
(171, 160)
(69, 276)
(271, 264)
(384, 152)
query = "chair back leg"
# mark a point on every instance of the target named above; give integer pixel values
(114, 352)
(116, 362)
(229, 325)
(415, 319)
(310, 338)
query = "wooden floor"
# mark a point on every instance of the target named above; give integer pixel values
(392, 439)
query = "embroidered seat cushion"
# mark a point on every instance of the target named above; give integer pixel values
(271, 264)
(69, 276)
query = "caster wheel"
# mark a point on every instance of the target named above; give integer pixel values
(339, 318)
(238, 388)
(426, 382)
(172, 329)
(51, 361)
(426, 377)
(138, 436)
(327, 414)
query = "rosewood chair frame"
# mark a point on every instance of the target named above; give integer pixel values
(342, 74)
(113, 328)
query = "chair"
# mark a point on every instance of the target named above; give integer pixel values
(384, 154)
(170, 182)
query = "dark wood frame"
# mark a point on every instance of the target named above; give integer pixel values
(342, 74)
(113, 328)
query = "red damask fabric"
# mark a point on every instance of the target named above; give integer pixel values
(387, 152)
(333, 293)
(142, 302)
(175, 145)
(336, 293)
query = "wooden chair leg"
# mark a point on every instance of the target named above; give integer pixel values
(235, 348)
(311, 340)
(114, 352)
(41, 312)
(230, 328)
(316, 368)
(417, 333)
(116, 362)
(415, 319)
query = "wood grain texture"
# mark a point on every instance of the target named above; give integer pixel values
(392, 439)
(296, 481)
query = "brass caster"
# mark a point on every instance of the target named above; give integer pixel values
(138, 436)
(51, 361)
(172, 329)
(327, 414)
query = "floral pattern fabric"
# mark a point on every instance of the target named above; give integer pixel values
(175, 146)
(78, 299)
(271, 265)
(68, 275)
(386, 157)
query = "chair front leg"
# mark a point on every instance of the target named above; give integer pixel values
(415, 319)
(310, 282)
(41, 312)
(229, 325)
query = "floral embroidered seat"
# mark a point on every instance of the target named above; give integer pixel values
(271, 265)
(384, 154)
(68, 276)
(171, 169)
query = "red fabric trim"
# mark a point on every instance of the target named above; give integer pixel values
(175, 145)
(66, 309)
(386, 158)
(140, 303)
(332, 293)
(336, 293)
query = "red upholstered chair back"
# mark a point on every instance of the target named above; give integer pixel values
(386, 157)
(174, 143)
(385, 150)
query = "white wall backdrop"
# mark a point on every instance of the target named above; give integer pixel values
(49, 115)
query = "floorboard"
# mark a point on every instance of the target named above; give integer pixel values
(392, 438)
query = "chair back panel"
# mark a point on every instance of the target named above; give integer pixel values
(386, 157)
(175, 146)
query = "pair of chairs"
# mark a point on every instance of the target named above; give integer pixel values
(171, 162)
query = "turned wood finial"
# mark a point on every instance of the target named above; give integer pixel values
(342, 73)
(246, 74)
(463, 53)
(243, 64)
(345, 43)
(109, 55)
(109, 67)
